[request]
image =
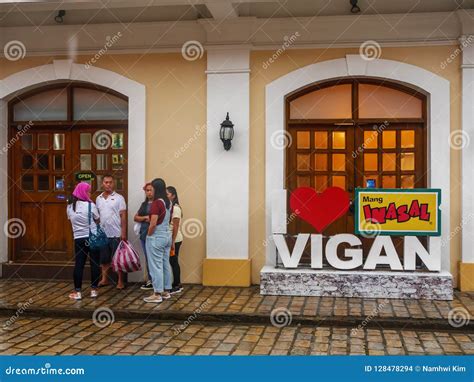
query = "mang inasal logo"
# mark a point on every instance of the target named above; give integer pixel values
(398, 211)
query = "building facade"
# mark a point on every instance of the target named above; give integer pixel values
(303, 89)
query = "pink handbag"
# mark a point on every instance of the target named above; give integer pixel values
(126, 259)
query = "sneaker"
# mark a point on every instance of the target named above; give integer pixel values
(166, 295)
(147, 286)
(153, 299)
(177, 289)
(75, 296)
(94, 293)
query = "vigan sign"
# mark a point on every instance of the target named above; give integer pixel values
(379, 213)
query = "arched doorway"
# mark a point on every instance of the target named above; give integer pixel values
(355, 132)
(60, 134)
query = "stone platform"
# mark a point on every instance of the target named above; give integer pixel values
(364, 284)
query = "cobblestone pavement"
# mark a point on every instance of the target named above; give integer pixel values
(50, 336)
(53, 295)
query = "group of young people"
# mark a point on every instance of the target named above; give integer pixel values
(159, 219)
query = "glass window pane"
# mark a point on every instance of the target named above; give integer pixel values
(27, 183)
(58, 141)
(371, 179)
(59, 162)
(117, 161)
(85, 141)
(27, 141)
(377, 101)
(338, 139)
(321, 162)
(43, 161)
(389, 139)
(92, 105)
(101, 162)
(321, 182)
(303, 181)
(370, 139)
(27, 162)
(86, 162)
(119, 183)
(321, 139)
(370, 162)
(50, 105)
(389, 161)
(339, 162)
(408, 139)
(43, 182)
(59, 183)
(408, 181)
(117, 140)
(302, 162)
(98, 182)
(407, 161)
(339, 181)
(43, 141)
(302, 140)
(389, 181)
(333, 102)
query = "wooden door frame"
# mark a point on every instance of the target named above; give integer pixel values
(68, 124)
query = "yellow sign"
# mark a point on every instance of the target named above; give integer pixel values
(398, 212)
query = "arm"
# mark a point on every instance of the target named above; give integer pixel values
(175, 230)
(153, 223)
(123, 224)
(141, 219)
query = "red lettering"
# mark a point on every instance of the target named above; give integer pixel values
(414, 209)
(367, 214)
(402, 214)
(378, 215)
(424, 214)
(391, 212)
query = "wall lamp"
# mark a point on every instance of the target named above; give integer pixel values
(227, 132)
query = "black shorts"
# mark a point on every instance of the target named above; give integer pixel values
(107, 252)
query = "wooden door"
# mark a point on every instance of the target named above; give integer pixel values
(45, 164)
(42, 178)
(320, 157)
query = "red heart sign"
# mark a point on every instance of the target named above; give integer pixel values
(319, 209)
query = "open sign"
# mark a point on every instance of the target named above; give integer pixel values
(85, 176)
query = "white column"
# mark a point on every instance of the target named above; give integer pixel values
(467, 67)
(227, 207)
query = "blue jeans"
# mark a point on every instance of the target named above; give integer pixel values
(143, 242)
(158, 253)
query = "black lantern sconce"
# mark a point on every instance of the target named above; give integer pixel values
(227, 132)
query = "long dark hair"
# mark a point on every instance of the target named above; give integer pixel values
(159, 186)
(173, 192)
(73, 200)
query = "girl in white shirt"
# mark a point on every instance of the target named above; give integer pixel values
(78, 214)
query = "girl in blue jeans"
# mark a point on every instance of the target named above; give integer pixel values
(158, 244)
